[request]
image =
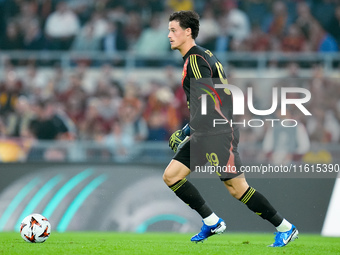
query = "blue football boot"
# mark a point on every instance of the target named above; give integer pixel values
(283, 238)
(207, 231)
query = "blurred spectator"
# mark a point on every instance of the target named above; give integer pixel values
(75, 89)
(157, 129)
(61, 113)
(129, 129)
(45, 8)
(223, 39)
(61, 27)
(93, 126)
(18, 121)
(75, 100)
(99, 23)
(109, 106)
(321, 40)
(160, 114)
(258, 41)
(33, 37)
(284, 145)
(132, 96)
(238, 26)
(48, 124)
(107, 75)
(58, 80)
(132, 28)
(32, 80)
(10, 90)
(327, 42)
(114, 39)
(277, 22)
(121, 144)
(180, 99)
(12, 40)
(153, 39)
(294, 40)
(75, 109)
(86, 41)
(132, 122)
(209, 29)
(305, 21)
(27, 16)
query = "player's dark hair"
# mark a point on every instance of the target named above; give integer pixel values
(187, 19)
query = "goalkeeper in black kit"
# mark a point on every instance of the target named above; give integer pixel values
(200, 142)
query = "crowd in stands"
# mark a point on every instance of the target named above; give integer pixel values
(141, 26)
(281, 144)
(60, 106)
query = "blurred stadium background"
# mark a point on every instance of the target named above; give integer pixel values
(90, 92)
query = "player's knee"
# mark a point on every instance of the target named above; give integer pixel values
(175, 172)
(170, 178)
(167, 178)
(235, 191)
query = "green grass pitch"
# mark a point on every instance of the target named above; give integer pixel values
(164, 243)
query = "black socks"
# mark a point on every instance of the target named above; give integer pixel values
(261, 206)
(190, 195)
(254, 200)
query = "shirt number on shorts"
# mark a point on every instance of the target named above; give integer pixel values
(213, 160)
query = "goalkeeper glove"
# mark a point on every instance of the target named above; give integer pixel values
(178, 137)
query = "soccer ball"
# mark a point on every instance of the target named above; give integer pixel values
(35, 228)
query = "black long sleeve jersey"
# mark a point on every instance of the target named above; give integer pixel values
(201, 71)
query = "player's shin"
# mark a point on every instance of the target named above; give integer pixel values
(188, 193)
(256, 202)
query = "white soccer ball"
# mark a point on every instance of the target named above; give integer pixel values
(35, 228)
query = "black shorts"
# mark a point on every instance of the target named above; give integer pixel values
(219, 150)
